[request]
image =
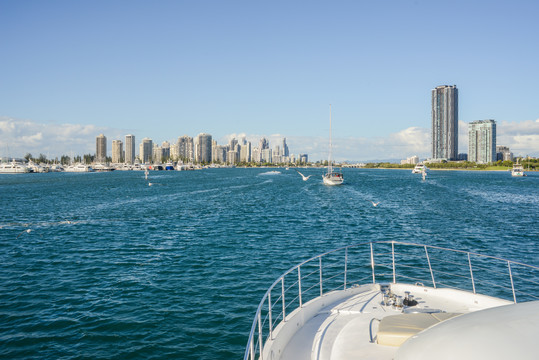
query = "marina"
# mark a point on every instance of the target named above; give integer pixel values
(100, 265)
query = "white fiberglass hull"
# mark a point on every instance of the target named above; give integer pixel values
(332, 180)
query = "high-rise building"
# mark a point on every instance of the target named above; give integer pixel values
(203, 148)
(503, 153)
(145, 150)
(245, 152)
(445, 122)
(186, 148)
(117, 151)
(285, 148)
(482, 141)
(101, 148)
(263, 144)
(129, 149)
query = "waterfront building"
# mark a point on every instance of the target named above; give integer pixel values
(285, 148)
(255, 155)
(462, 157)
(129, 149)
(245, 152)
(232, 157)
(165, 149)
(145, 150)
(303, 158)
(220, 154)
(276, 156)
(117, 151)
(186, 148)
(263, 144)
(503, 153)
(482, 141)
(101, 148)
(445, 122)
(265, 156)
(413, 160)
(203, 148)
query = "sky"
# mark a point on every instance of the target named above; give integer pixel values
(71, 70)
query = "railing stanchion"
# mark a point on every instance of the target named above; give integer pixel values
(512, 284)
(252, 349)
(345, 265)
(471, 272)
(430, 268)
(372, 265)
(260, 349)
(320, 261)
(282, 295)
(269, 317)
(299, 286)
(393, 256)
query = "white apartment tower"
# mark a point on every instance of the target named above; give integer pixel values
(129, 149)
(117, 151)
(482, 141)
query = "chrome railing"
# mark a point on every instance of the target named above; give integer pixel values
(380, 261)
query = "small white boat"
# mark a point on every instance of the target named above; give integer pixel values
(392, 300)
(517, 170)
(419, 169)
(13, 167)
(331, 177)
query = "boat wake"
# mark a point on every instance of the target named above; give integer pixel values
(270, 173)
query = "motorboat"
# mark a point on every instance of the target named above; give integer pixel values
(396, 300)
(517, 170)
(419, 169)
(13, 167)
(102, 167)
(79, 168)
(331, 177)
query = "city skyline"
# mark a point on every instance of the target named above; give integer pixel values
(263, 70)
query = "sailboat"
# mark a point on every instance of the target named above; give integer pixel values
(331, 177)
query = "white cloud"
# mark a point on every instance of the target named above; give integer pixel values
(18, 137)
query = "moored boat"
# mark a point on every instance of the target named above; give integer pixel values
(13, 167)
(395, 300)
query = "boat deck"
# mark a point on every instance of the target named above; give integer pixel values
(340, 329)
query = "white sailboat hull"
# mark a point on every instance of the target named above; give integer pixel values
(332, 179)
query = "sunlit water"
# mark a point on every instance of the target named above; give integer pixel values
(103, 266)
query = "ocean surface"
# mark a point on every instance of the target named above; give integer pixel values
(104, 266)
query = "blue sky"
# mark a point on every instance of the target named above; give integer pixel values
(162, 69)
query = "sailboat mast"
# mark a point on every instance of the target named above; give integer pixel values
(330, 167)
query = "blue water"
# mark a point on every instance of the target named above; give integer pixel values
(115, 269)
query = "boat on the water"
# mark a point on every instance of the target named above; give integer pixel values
(396, 300)
(14, 167)
(517, 170)
(79, 168)
(331, 177)
(419, 169)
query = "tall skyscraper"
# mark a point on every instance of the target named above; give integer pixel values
(482, 141)
(117, 151)
(129, 149)
(445, 122)
(101, 148)
(203, 148)
(145, 150)
(186, 148)
(285, 148)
